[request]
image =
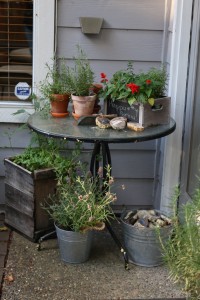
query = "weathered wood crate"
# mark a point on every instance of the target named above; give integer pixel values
(25, 192)
(145, 115)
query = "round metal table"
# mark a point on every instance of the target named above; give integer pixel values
(68, 128)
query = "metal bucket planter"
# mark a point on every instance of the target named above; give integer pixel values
(74, 246)
(143, 245)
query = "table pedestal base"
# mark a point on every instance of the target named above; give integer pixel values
(101, 149)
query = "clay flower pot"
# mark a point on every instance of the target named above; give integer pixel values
(96, 88)
(59, 105)
(83, 105)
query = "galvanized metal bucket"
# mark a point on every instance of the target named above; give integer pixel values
(143, 245)
(74, 246)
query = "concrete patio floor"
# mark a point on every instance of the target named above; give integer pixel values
(32, 274)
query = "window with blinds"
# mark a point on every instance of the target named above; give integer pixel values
(16, 33)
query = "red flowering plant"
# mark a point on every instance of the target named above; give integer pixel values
(135, 88)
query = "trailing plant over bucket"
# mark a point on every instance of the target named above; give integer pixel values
(79, 205)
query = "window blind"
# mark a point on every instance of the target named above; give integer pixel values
(16, 31)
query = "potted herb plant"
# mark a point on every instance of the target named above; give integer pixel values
(55, 88)
(30, 177)
(78, 209)
(80, 80)
(139, 97)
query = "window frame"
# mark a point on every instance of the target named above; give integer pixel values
(43, 51)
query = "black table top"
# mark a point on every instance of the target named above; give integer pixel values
(69, 129)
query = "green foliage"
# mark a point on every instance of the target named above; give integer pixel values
(159, 78)
(55, 81)
(34, 159)
(135, 88)
(79, 205)
(182, 253)
(48, 154)
(80, 77)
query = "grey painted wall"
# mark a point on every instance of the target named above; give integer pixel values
(132, 30)
(13, 139)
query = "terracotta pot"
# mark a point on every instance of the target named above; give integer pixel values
(96, 88)
(59, 105)
(83, 105)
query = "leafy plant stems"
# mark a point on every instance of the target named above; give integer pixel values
(80, 77)
(79, 206)
(181, 253)
(135, 88)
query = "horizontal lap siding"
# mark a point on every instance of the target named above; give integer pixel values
(132, 30)
(13, 139)
(135, 171)
(133, 192)
(130, 164)
(112, 44)
(122, 14)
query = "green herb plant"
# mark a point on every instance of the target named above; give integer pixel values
(49, 153)
(55, 81)
(181, 253)
(80, 206)
(80, 77)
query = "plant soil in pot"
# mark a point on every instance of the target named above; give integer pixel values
(142, 230)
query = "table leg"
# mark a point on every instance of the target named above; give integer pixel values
(102, 147)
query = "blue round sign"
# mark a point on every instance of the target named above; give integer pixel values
(22, 90)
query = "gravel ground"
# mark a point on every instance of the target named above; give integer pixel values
(32, 274)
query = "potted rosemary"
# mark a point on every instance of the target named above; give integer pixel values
(54, 88)
(80, 81)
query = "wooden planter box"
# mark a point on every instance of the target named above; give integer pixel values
(25, 192)
(144, 115)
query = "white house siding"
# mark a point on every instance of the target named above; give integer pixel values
(134, 30)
